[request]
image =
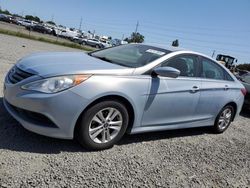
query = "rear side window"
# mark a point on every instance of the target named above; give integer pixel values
(186, 64)
(211, 70)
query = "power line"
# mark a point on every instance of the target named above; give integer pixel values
(200, 28)
(161, 36)
(167, 29)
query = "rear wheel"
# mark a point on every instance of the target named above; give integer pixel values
(103, 125)
(224, 119)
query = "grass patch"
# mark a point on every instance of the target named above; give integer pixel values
(42, 39)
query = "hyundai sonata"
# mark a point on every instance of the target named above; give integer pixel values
(96, 97)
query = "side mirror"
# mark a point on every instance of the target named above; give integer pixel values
(166, 72)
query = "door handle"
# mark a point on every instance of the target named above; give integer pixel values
(226, 87)
(195, 89)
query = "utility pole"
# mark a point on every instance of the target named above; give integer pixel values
(122, 36)
(213, 53)
(80, 26)
(52, 18)
(136, 27)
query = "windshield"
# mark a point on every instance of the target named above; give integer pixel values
(131, 55)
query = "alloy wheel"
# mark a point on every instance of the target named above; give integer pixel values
(105, 125)
(225, 118)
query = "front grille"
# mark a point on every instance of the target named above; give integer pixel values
(34, 117)
(16, 75)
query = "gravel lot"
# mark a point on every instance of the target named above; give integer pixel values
(182, 158)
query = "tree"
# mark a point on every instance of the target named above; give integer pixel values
(135, 37)
(32, 18)
(175, 43)
(17, 15)
(5, 12)
(51, 22)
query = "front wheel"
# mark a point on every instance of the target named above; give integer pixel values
(103, 125)
(224, 119)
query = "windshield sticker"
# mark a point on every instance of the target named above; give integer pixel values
(155, 52)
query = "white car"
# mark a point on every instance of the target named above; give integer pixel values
(69, 33)
(106, 43)
(93, 42)
(26, 23)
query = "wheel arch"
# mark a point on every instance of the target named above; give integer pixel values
(119, 98)
(234, 105)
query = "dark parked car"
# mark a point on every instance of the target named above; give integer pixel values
(6, 18)
(40, 28)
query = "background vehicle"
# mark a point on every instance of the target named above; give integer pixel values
(245, 80)
(26, 23)
(93, 42)
(68, 33)
(39, 28)
(97, 97)
(117, 42)
(6, 18)
(79, 39)
(106, 43)
(226, 60)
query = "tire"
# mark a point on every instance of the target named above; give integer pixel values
(97, 46)
(224, 119)
(84, 43)
(92, 134)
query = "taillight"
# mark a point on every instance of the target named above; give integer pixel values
(244, 91)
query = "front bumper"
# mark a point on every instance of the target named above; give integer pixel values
(60, 110)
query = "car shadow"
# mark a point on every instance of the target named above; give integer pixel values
(15, 138)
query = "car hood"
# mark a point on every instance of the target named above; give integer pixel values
(61, 63)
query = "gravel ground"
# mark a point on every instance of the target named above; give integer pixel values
(181, 158)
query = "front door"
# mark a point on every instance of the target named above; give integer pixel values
(174, 100)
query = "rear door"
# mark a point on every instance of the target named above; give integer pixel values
(174, 100)
(216, 89)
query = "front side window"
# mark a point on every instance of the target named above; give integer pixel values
(131, 55)
(186, 64)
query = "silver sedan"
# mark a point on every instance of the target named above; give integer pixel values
(96, 97)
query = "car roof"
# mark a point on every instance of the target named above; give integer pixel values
(165, 47)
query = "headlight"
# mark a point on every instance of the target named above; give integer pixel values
(55, 84)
